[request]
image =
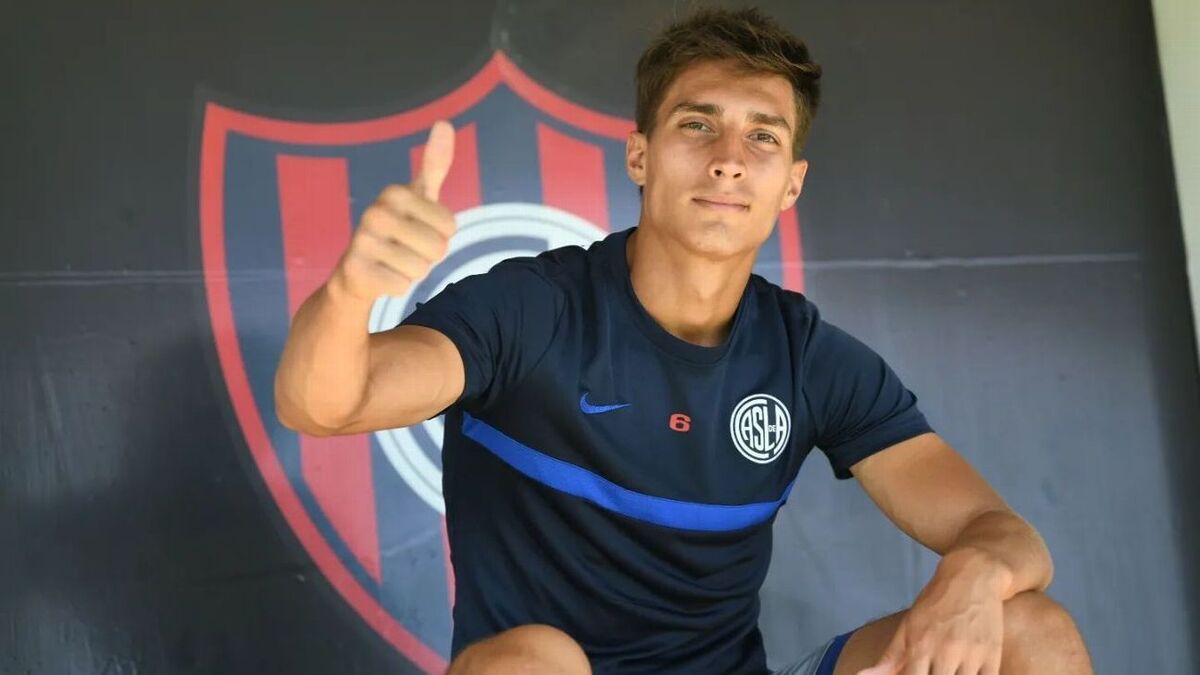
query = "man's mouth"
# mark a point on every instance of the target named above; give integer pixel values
(722, 204)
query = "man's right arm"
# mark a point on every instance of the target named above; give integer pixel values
(335, 377)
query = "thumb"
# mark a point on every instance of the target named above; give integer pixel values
(435, 160)
(891, 659)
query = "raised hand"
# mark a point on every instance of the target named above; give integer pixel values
(404, 233)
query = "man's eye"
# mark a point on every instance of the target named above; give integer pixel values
(763, 136)
(694, 125)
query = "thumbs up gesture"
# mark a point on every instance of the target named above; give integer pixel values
(404, 233)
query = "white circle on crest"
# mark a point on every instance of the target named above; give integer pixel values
(409, 449)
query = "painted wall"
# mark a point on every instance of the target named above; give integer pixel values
(990, 205)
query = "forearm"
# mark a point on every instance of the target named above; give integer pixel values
(1005, 549)
(322, 375)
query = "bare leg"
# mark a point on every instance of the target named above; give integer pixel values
(533, 649)
(1039, 637)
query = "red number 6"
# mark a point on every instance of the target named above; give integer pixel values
(680, 422)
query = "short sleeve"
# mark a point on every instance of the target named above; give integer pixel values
(859, 405)
(502, 322)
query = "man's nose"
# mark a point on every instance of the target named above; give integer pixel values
(727, 160)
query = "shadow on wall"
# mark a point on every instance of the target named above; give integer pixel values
(147, 545)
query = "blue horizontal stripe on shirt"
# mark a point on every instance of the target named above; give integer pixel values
(580, 482)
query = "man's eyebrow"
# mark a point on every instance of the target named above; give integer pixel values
(702, 108)
(770, 120)
(714, 109)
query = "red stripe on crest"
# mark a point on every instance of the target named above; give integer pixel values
(314, 206)
(573, 176)
(791, 251)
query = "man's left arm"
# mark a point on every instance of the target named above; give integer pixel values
(931, 493)
(989, 553)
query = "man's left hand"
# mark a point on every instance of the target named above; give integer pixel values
(955, 626)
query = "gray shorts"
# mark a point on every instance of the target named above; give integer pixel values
(821, 661)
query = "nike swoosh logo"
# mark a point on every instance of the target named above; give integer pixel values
(593, 409)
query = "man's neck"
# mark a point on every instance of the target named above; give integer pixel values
(692, 298)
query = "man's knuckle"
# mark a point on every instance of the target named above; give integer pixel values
(371, 215)
(397, 194)
(393, 190)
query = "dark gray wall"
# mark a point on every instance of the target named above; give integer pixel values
(990, 206)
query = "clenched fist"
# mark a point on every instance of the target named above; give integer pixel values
(404, 233)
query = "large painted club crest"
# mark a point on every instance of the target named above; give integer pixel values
(278, 200)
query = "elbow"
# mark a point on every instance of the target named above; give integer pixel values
(303, 425)
(291, 420)
(296, 418)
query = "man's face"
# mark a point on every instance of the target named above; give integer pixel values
(718, 168)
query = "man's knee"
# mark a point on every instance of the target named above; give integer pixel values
(1033, 620)
(532, 649)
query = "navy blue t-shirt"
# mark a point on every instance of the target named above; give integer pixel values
(610, 479)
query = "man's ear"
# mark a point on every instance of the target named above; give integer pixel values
(635, 157)
(795, 184)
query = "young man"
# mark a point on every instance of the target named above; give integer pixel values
(623, 422)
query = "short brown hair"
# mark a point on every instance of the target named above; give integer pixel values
(747, 36)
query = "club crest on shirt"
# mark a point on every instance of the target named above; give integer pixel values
(277, 202)
(760, 426)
